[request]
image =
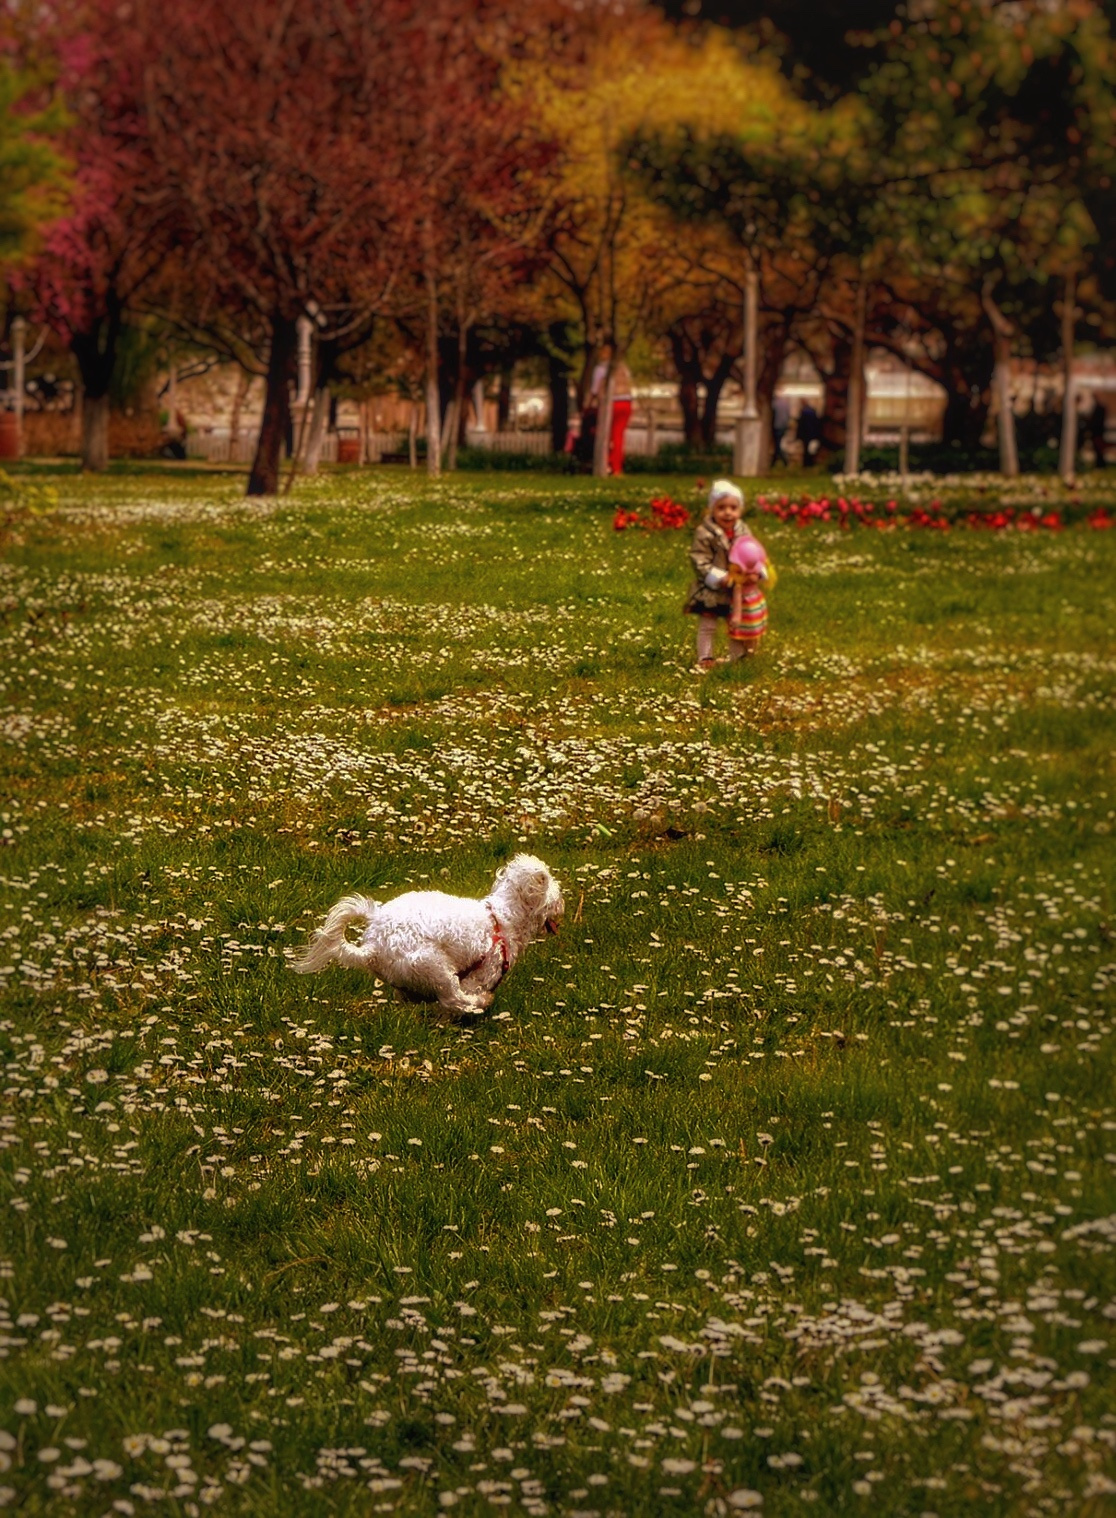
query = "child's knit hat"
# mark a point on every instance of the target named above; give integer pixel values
(721, 490)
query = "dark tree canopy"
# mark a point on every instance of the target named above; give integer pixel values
(816, 38)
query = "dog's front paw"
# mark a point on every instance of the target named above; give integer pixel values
(465, 1004)
(466, 1010)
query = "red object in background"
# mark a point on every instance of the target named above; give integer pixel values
(931, 517)
(666, 515)
(669, 514)
(621, 416)
(9, 435)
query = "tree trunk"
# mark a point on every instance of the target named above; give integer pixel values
(449, 435)
(1002, 331)
(433, 391)
(276, 422)
(688, 369)
(966, 413)
(836, 382)
(1005, 415)
(713, 389)
(94, 432)
(95, 352)
(1067, 454)
(318, 419)
(854, 430)
(691, 410)
(459, 389)
(772, 355)
(558, 378)
(965, 373)
(76, 422)
(243, 383)
(503, 400)
(412, 436)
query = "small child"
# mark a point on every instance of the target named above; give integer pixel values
(711, 594)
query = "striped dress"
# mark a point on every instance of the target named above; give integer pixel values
(748, 618)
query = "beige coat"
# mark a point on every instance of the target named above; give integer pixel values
(709, 553)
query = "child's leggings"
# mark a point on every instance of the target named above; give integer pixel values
(706, 632)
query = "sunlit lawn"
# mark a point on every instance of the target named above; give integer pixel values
(784, 1177)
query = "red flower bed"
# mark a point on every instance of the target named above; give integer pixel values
(665, 516)
(845, 513)
(839, 509)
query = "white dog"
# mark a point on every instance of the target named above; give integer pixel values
(434, 947)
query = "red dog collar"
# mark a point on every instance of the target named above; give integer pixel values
(498, 941)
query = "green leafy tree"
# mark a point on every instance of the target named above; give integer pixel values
(33, 173)
(794, 192)
(957, 189)
(619, 260)
(998, 128)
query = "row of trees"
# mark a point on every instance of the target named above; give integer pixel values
(442, 189)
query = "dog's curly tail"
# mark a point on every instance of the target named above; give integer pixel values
(331, 944)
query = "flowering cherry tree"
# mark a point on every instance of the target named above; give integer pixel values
(97, 260)
(281, 131)
(318, 156)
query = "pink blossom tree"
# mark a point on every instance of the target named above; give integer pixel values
(322, 157)
(98, 259)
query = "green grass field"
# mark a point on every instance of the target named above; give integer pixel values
(784, 1180)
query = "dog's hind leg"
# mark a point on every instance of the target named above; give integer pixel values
(436, 972)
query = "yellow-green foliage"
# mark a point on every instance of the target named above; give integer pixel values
(23, 497)
(33, 181)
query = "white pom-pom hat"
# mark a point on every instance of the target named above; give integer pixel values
(722, 490)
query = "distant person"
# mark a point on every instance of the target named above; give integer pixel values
(809, 432)
(1097, 423)
(621, 404)
(780, 423)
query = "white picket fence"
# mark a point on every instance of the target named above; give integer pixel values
(639, 440)
(215, 446)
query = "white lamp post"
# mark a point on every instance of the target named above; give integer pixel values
(748, 450)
